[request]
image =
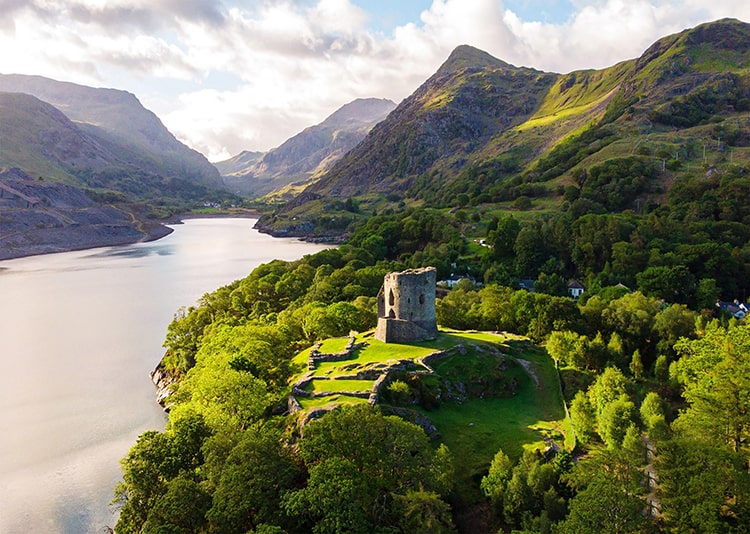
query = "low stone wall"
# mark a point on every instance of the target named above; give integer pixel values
(347, 354)
(430, 360)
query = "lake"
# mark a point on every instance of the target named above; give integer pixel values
(79, 333)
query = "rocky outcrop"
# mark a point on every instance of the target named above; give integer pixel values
(163, 380)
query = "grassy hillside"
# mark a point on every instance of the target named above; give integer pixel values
(483, 133)
(489, 392)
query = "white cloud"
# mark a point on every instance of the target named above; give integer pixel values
(279, 66)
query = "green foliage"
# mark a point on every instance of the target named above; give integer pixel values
(358, 460)
(571, 151)
(609, 387)
(636, 365)
(424, 512)
(256, 473)
(151, 466)
(715, 372)
(609, 500)
(702, 488)
(181, 509)
(495, 481)
(399, 392)
(583, 417)
(616, 183)
(614, 421)
(652, 409)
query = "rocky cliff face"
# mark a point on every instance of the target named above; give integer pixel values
(163, 380)
(42, 140)
(307, 154)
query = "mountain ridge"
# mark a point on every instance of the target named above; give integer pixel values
(121, 124)
(307, 154)
(487, 131)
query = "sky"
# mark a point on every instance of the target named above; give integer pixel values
(231, 75)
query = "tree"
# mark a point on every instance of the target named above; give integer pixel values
(715, 371)
(255, 475)
(424, 512)
(671, 324)
(336, 499)
(661, 369)
(608, 387)
(530, 252)
(614, 421)
(673, 284)
(583, 417)
(652, 406)
(372, 458)
(702, 488)
(603, 506)
(551, 284)
(608, 499)
(503, 238)
(182, 509)
(495, 481)
(636, 365)
(562, 346)
(654, 418)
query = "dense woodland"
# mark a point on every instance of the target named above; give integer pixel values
(645, 359)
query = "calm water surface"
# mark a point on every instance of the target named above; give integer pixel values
(79, 333)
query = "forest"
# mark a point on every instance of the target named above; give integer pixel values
(653, 374)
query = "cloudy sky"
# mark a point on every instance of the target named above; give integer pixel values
(232, 75)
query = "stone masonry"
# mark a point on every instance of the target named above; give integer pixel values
(406, 307)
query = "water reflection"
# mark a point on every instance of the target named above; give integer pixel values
(135, 252)
(80, 331)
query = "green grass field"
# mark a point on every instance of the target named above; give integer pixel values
(338, 386)
(475, 429)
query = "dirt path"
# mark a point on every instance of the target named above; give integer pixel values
(527, 365)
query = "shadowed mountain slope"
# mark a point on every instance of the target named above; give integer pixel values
(307, 154)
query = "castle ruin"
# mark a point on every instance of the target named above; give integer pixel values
(406, 306)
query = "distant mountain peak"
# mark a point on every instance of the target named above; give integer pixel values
(468, 57)
(361, 110)
(307, 154)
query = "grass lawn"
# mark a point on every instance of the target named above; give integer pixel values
(334, 345)
(475, 430)
(340, 385)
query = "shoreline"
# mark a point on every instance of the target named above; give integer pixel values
(153, 233)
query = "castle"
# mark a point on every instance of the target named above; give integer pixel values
(406, 306)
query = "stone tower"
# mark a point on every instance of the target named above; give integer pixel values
(406, 307)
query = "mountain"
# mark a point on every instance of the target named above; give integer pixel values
(307, 154)
(482, 132)
(469, 100)
(38, 137)
(238, 165)
(117, 122)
